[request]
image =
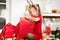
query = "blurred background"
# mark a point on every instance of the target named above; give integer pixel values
(12, 10)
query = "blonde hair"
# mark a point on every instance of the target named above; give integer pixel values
(36, 7)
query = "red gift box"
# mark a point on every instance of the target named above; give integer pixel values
(25, 26)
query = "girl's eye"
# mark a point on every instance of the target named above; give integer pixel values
(30, 12)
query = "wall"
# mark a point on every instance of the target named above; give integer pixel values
(52, 4)
(18, 9)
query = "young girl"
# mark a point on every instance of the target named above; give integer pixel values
(35, 16)
(30, 26)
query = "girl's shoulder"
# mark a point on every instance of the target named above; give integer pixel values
(40, 17)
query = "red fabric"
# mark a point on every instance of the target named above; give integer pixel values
(8, 31)
(17, 29)
(26, 26)
(0, 36)
(38, 29)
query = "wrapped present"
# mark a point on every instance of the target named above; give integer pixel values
(26, 26)
(8, 31)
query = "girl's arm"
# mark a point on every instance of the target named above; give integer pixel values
(28, 16)
(32, 18)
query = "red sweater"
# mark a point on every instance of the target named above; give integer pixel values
(38, 29)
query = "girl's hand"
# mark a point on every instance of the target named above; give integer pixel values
(27, 17)
(37, 19)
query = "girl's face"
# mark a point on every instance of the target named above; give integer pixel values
(33, 12)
